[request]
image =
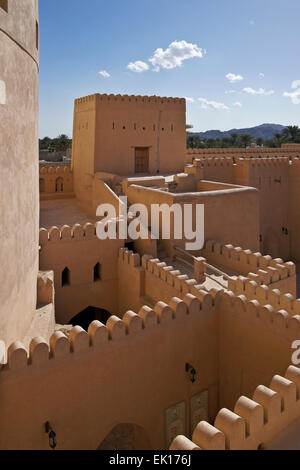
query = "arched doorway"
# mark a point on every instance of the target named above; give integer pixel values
(126, 437)
(88, 315)
(59, 185)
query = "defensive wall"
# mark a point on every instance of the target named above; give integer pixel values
(230, 332)
(267, 420)
(55, 182)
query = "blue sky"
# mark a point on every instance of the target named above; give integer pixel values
(236, 60)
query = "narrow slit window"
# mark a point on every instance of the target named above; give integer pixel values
(65, 277)
(97, 272)
(37, 35)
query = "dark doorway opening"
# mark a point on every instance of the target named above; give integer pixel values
(87, 316)
(129, 246)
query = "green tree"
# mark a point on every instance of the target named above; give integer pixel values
(234, 138)
(291, 134)
(245, 140)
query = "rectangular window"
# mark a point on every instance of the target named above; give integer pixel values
(4, 5)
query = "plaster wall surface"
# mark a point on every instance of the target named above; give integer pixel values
(19, 167)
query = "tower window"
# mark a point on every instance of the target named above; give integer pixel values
(65, 277)
(113, 126)
(4, 5)
(97, 272)
(37, 35)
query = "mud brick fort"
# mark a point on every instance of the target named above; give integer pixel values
(140, 344)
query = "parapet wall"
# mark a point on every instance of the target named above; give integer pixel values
(148, 280)
(87, 364)
(255, 422)
(55, 180)
(79, 250)
(130, 99)
(230, 332)
(249, 152)
(254, 266)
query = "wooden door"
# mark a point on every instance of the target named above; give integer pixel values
(142, 160)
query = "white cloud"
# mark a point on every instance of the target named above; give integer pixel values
(205, 104)
(260, 91)
(295, 84)
(138, 66)
(2, 92)
(175, 54)
(190, 100)
(238, 104)
(261, 75)
(294, 95)
(232, 77)
(228, 92)
(104, 74)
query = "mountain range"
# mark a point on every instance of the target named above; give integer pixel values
(266, 131)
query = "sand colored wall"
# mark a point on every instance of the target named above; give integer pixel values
(265, 270)
(255, 343)
(93, 368)
(79, 250)
(83, 148)
(55, 181)
(294, 194)
(230, 332)
(18, 167)
(271, 177)
(265, 421)
(214, 169)
(259, 152)
(147, 280)
(224, 209)
(103, 194)
(118, 124)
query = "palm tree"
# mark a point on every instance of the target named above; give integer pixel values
(234, 138)
(291, 133)
(259, 141)
(245, 140)
(278, 137)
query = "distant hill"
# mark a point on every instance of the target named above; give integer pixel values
(266, 131)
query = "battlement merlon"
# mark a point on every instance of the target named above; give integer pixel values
(98, 99)
(254, 422)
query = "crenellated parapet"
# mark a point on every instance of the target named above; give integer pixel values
(264, 162)
(77, 232)
(163, 279)
(100, 336)
(266, 269)
(98, 98)
(67, 233)
(55, 180)
(265, 295)
(55, 170)
(280, 321)
(253, 423)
